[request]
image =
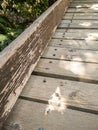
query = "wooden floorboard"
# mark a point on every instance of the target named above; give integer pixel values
(76, 93)
(82, 10)
(84, 16)
(70, 62)
(79, 34)
(75, 70)
(71, 54)
(85, 5)
(77, 44)
(30, 116)
(87, 24)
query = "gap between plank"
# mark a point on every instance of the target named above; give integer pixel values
(78, 19)
(69, 60)
(76, 28)
(69, 106)
(57, 76)
(68, 38)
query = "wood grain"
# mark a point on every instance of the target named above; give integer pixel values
(79, 34)
(76, 93)
(18, 60)
(84, 16)
(71, 54)
(30, 115)
(77, 44)
(85, 5)
(69, 69)
(78, 24)
(82, 10)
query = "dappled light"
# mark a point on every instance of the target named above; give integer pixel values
(89, 6)
(80, 6)
(56, 103)
(85, 24)
(51, 69)
(92, 36)
(62, 57)
(77, 61)
(94, 7)
(75, 67)
(89, 55)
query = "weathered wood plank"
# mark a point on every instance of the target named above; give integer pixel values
(89, 10)
(30, 115)
(18, 60)
(83, 34)
(86, 15)
(88, 24)
(81, 21)
(69, 69)
(77, 44)
(85, 5)
(83, 30)
(68, 16)
(71, 10)
(71, 54)
(64, 25)
(82, 91)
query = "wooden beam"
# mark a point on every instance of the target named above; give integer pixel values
(18, 60)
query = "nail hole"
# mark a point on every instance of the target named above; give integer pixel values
(71, 50)
(61, 40)
(54, 54)
(60, 44)
(55, 49)
(50, 61)
(44, 81)
(47, 68)
(57, 94)
(61, 85)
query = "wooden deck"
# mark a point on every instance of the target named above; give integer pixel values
(70, 62)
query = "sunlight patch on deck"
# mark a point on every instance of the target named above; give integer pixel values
(85, 24)
(92, 36)
(75, 67)
(94, 7)
(56, 103)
